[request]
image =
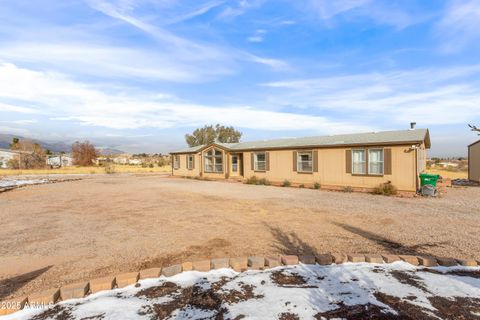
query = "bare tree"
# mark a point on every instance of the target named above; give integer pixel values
(83, 153)
(30, 155)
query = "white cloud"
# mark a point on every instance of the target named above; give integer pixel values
(428, 96)
(459, 25)
(381, 12)
(62, 99)
(258, 36)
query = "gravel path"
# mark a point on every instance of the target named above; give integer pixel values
(57, 233)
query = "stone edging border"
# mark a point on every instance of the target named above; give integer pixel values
(82, 289)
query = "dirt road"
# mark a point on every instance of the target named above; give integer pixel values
(65, 232)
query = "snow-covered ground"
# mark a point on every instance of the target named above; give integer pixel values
(352, 291)
(6, 183)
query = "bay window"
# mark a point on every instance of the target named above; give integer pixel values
(213, 161)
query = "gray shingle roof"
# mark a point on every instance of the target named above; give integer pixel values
(383, 137)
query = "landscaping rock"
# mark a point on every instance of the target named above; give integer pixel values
(172, 270)
(220, 263)
(355, 257)
(289, 260)
(273, 262)
(100, 284)
(256, 263)
(202, 266)
(74, 290)
(239, 264)
(150, 273)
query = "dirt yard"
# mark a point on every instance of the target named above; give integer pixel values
(65, 232)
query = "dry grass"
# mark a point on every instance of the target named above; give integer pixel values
(449, 174)
(84, 170)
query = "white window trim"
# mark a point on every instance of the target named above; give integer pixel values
(365, 163)
(382, 162)
(214, 161)
(176, 162)
(190, 161)
(299, 161)
(256, 162)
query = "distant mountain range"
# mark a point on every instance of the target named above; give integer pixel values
(6, 139)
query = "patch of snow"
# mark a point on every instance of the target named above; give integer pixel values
(326, 288)
(5, 183)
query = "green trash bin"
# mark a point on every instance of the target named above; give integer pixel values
(431, 179)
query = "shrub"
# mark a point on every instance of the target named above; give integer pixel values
(109, 168)
(316, 185)
(252, 180)
(386, 189)
(286, 183)
(347, 189)
(264, 182)
(255, 180)
(301, 186)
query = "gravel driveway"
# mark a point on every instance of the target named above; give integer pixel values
(65, 232)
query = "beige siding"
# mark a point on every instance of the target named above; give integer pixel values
(332, 172)
(183, 171)
(331, 168)
(474, 162)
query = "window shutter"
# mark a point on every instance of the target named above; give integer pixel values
(193, 161)
(315, 161)
(186, 161)
(348, 161)
(251, 161)
(295, 161)
(387, 158)
(267, 161)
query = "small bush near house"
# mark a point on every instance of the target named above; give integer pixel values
(286, 183)
(256, 181)
(386, 189)
(316, 185)
(301, 186)
(252, 180)
(347, 189)
(264, 182)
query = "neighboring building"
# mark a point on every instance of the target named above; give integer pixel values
(447, 164)
(5, 156)
(360, 161)
(135, 161)
(474, 161)
(60, 161)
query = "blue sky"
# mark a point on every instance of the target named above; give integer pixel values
(138, 75)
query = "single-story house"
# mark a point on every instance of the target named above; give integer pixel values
(361, 161)
(60, 161)
(5, 156)
(474, 161)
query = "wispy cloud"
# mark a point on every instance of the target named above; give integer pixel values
(240, 8)
(63, 99)
(430, 96)
(258, 36)
(458, 28)
(381, 12)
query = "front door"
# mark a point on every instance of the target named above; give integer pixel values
(236, 167)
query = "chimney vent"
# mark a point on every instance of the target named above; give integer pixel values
(412, 125)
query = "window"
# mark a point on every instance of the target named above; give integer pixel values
(260, 161)
(359, 162)
(176, 161)
(214, 161)
(375, 161)
(190, 161)
(234, 163)
(304, 162)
